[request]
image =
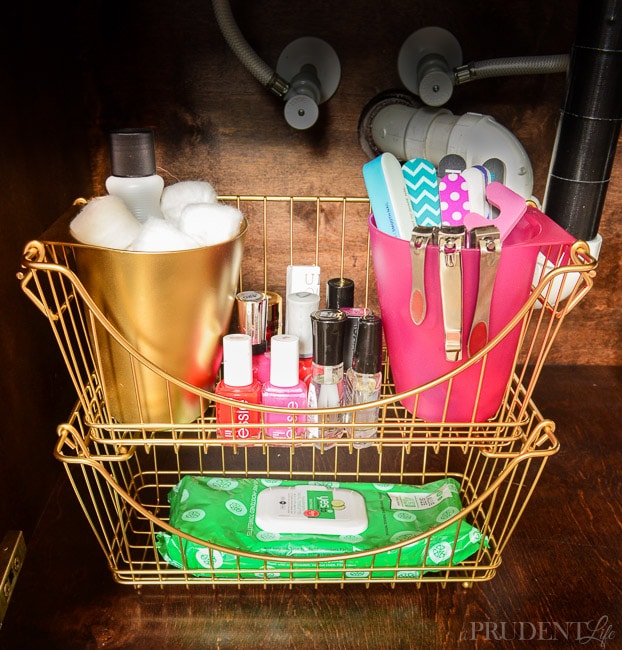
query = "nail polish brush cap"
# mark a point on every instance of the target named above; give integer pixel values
(252, 317)
(339, 293)
(284, 361)
(367, 356)
(237, 360)
(328, 326)
(274, 319)
(132, 153)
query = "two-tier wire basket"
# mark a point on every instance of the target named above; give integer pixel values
(123, 471)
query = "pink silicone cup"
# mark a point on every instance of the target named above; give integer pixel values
(417, 352)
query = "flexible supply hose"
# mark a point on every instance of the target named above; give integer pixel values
(248, 57)
(512, 66)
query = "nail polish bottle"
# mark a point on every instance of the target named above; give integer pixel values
(363, 381)
(354, 315)
(133, 167)
(284, 390)
(274, 319)
(339, 293)
(326, 386)
(252, 319)
(238, 384)
(298, 309)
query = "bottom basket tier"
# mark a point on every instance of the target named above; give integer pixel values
(124, 492)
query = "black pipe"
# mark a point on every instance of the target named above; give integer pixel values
(589, 125)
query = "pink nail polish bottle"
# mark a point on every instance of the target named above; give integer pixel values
(284, 390)
(238, 383)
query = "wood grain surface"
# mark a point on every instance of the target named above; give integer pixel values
(169, 68)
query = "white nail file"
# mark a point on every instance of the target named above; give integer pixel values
(476, 187)
(388, 196)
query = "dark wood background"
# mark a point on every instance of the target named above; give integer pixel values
(71, 71)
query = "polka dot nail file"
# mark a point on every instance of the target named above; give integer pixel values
(454, 194)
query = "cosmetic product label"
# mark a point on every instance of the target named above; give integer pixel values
(241, 417)
(311, 508)
(303, 278)
(282, 426)
(419, 501)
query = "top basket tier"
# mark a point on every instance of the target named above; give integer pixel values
(333, 233)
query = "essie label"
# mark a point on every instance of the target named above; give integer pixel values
(283, 425)
(242, 417)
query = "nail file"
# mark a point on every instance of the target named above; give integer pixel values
(454, 195)
(511, 207)
(485, 173)
(476, 188)
(451, 163)
(422, 186)
(496, 169)
(388, 196)
(487, 179)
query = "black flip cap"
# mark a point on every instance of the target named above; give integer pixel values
(328, 327)
(367, 357)
(132, 153)
(339, 293)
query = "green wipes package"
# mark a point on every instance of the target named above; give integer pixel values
(292, 520)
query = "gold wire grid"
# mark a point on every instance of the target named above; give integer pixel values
(124, 498)
(122, 471)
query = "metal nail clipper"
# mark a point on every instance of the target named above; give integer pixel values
(451, 240)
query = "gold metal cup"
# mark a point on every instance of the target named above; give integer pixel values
(173, 308)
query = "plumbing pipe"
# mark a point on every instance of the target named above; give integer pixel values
(511, 66)
(409, 132)
(589, 126)
(266, 75)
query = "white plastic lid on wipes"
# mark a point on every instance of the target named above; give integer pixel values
(284, 361)
(298, 309)
(237, 360)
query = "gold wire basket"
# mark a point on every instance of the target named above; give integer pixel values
(122, 471)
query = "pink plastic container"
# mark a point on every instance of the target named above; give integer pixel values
(417, 352)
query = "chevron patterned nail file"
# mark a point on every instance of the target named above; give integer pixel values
(422, 186)
(454, 195)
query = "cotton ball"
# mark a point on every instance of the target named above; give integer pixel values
(176, 196)
(210, 223)
(105, 221)
(158, 235)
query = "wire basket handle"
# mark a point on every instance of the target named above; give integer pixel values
(547, 445)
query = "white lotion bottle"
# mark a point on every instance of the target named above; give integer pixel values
(133, 167)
